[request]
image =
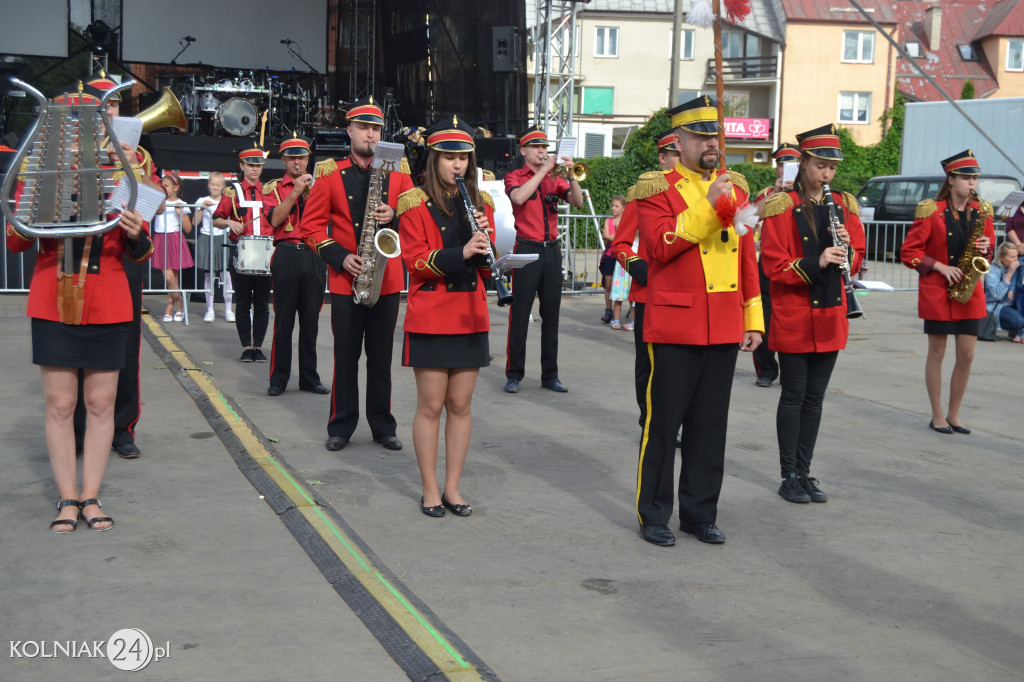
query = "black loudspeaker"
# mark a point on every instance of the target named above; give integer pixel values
(505, 49)
(497, 154)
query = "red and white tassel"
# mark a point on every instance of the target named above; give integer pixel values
(701, 15)
(742, 217)
(736, 10)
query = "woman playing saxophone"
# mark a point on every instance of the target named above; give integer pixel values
(944, 229)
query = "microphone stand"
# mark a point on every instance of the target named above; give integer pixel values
(299, 57)
(185, 47)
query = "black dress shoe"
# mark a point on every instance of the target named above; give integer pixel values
(512, 386)
(792, 490)
(658, 535)
(319, 389)
(275, 390)
(941, 429)
(437, 511)
(811, 488)
(554, 385)
(457, 509)
(705, 532)
(335, 443)
(390, 442)
(763, 382)
(128, 450)
(960, 429)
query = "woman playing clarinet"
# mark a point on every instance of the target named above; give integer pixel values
(803, 260)
(944, 229)
(446, 248)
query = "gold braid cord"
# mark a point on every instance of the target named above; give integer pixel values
(777, 204)
(739, 181)
(631, 194)
(271, 188)
(764, 193)
(404, 167)
(851, 203)
(925, 209)
(650, 184)
(229, 192)
(325, 167)
(486, 197)
(410, 199)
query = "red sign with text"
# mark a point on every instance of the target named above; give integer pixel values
(751, 128)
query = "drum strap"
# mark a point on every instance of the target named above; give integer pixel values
(71, 295)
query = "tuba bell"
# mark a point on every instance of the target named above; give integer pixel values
(165, 113)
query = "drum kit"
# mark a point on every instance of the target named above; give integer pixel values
(221, 102)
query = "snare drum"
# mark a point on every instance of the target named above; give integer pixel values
(253, 255)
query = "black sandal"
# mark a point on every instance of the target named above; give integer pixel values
(71, 522)
(96, 519)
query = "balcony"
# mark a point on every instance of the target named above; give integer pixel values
(743, 68)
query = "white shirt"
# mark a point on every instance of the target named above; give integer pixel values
(205, 217)
(168, 221)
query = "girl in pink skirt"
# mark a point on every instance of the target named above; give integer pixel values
(170, 252)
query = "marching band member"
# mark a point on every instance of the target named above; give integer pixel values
(766, 367)
(630, 252)
(88, 332)
(251, 291)
(703, 304)
(808, 324)
(447, 320)
(941, 232)
(535, 194)
(298, 275)
(332, 226)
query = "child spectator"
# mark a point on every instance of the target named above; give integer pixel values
(211, 256)
(170, 253)
(607, 265)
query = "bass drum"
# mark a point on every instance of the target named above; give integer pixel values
(237, 116)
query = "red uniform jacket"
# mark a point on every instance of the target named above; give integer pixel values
(229, 208)
(632, 261)
(329, 228)
(700, 290)
(274, 192)
(446, 293)
(808, 303)
(930, 240)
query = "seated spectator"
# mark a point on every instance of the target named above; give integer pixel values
(1015, 230)
(1003, 291)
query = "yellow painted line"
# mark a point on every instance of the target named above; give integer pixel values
(408, 617)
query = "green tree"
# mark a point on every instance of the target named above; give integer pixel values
(967, 92)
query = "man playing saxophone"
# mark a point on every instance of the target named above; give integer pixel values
(332, 225)
(945, 228)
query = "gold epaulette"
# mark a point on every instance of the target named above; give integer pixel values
(631, 194)
(325, 167)
(650, 184)
(777, 204)
(229, 192)
(486, 196)
(925, 209)
(270, 187)
(739, 181)
(764, 193)
(405, 166)
(488, 175)
(851, 203)
(410, 199)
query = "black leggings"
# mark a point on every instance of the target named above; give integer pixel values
(804, 378)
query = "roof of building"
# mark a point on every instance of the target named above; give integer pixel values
(837, 11)
(1006, 18)
(763, 18)
(960, 23)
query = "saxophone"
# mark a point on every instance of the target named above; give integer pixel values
(377, 245)
(972, 262)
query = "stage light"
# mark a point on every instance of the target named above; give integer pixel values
(99, 36)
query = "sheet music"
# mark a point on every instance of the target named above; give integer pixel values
(1010, 204)
(566, 147)
(148, 200)
(511, 261)
(127, 129)
(789, 170)
(388, 156)
(872, 285)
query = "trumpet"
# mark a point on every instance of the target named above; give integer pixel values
(578, 172)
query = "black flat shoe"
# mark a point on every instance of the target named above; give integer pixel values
(128, 451)
(275, 391)
(319, 389)
(437, 511)
(960, 429)
(457, 509)
(941, 429)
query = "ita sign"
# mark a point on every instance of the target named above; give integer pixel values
(750, 128)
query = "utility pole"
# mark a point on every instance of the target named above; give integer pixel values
(677, 20)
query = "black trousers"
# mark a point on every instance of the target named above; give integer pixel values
(541, 278)
(765, 364)
(355, 327)
(642, 366)
(128, 401)
(690, 385)
(251, 291)
(299, 278)
(805, 378)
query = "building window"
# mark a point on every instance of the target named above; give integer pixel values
(854, 107)
(967, 53)
(606, 41)
(598, 100)
(732, 44)
(1015, 55)
(913, 48)
(685, 44)
(859, 47)
(736, 104)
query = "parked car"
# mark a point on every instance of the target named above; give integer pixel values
(889, 199)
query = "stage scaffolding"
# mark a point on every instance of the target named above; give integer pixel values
(553, 37)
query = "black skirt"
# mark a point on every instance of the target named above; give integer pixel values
(85, 346)
(445, 351)
(944, 328)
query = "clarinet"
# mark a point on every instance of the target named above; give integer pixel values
(853, 308)
(504, 297)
